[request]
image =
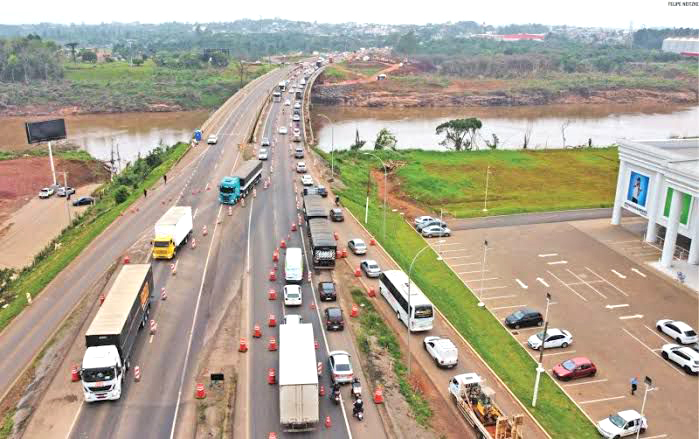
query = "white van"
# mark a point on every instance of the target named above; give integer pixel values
(293, 265)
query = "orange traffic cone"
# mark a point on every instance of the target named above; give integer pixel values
(256, 331)
(355, 311)
(282, 244)
(372, 292)
(272, 344)
(378, 396)
(201, 393)
(271, 376)
(357, 272)
(272, 294)
(328, 422)
(272, 321)
(243, 345)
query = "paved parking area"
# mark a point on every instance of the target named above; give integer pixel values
(604, 294)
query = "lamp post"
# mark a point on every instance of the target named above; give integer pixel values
(439, 250)
(649, 386)
(332, 147)
(539, 367)
(485, 199)
(480, 291)
(385, 186)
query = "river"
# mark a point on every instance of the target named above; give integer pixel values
(130, 134)
(415, 127)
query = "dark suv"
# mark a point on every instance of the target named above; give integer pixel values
(334, 319)
(523, 318)
(326, 291)
(336, 215)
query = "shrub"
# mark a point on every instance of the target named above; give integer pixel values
(121, 194)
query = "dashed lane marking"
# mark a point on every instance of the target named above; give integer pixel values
(521, 284)
(557, 262)
(621, 276)
(602, 399)
(638, 272)
(635, 316)
(621, 305)
(548, 255)
(586, 382)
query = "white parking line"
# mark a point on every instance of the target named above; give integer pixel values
(497, 297)
(543, 282)
(465, 263)
(566, 285)
(506, 307)
(654, 332)
(586, 382)
(638, 272)
(557, 262)
(449, 251)
(586, 282)
(559, 353)
(527, 329)
(656, 437)
(474, 271)
(602, 399)
(458, 257)
(610, 284)
(451, 243)
(652, 351)
(548, 255)
(521, 284)
(490, 288)
(619, 274)
(479, 279)
(583, 281)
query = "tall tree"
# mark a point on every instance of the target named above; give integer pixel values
(455, 132)
(358, 143)
(407, 44)
(385, 139)
(72, 47)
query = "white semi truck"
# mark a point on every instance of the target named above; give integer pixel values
(112, 334)
(171, 231)
(298, 377)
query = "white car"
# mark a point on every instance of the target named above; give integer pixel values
(297, 132)
(340, 367)
(213, 139)
(265, 142)
(442, 351)
(292, 295)
(555, 338)
(307, 180)
(370, 267)
(296, 118)
(263, 154)
(301, 167)
(46, 192)
(283, 130)
(297, 105)
(686, 357)
(431, 231)
(287, 102)
(422, 219)
(292, 319)
(679, 331)
(624, 423)
(357, 246)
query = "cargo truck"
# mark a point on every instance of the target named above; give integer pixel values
(298, 378)
(313, 207)
(476, 403)
(231, 189)
(172, 231)
(322, 242)
(111, 336)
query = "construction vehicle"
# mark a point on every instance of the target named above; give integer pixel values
(477, 403)
(172, 231)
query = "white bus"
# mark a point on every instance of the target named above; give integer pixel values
(293, 265)
(393, 286)
(282, 86)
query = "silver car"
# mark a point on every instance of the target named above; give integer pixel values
(263, 154)
(340, 367)
(370, 268)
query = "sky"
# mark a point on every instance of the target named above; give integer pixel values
(589, 13)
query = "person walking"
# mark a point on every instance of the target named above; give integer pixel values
(145, 193)
(164, 178)
(634, 385)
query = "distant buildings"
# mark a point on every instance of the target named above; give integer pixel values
(683, 46)
(511, 37)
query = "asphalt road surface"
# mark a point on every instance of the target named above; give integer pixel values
(532, 218)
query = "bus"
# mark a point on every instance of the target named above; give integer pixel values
(293, 265)
(393, 286)
(282, 86)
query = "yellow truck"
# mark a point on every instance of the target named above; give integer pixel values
(172, 231)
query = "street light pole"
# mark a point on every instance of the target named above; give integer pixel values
(649, 385)
(539, 367)
(385, 186)
(485, 200)
(332, 147)
(65, 186)
(480, 291)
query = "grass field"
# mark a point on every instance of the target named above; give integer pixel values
(558, 414)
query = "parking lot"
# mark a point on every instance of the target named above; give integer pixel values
(604, 295)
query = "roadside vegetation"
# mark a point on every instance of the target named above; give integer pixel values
(555, 411)
(112, 199)
(64, 153)
(7, 424)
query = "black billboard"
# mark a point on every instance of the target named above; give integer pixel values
(45, 131)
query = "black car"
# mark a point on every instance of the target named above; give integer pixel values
(326, 291)
(336, 215)
(334, 319)
(84, 201)
(524, 317)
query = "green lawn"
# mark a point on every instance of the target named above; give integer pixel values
(335, 74)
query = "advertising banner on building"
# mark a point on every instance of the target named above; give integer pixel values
(637, 192)
(686, 204)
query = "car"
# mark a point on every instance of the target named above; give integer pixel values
(287, 102)
(213, 139)
(679, 331)
(340, 367)
(263, 154)
(433, 222)
(283, 130)
(296, 118)
(695, 346)
(523, 318)
(334, 319)
(297, 111)
(555, 338)
(265, 142)
(421, 219)
(432, 231)
(442, 351)
(686, 357)
(301, 167)
(292, 295)
(336, 215)
(307, 180)
(577, 367)
(297, 105)
(317, 190)
(327, 291)
(623, 423)
(297, 138)
(84, 201)
(298, 152)
(357, 246)
(292, 319)
(46, 192)
(65, 191)
(297, 132)
(370, 268)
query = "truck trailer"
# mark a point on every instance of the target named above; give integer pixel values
(231, 189)
(172, 231)
(322, 242)
(110, 339)
(313, 207)
(298, 378)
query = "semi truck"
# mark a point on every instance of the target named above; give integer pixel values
(111, 336)
(476, 402)
(172, 231)
(313, 207)
(231, 189)
(322, 242)
(298, 378)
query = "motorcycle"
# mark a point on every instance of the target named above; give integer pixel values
(358, 410)
(356, 389)
(335, 394)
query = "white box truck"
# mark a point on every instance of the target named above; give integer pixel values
(172, 231)
(298, 378)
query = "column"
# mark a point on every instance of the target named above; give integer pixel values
(694, 246)
(673, 222)
(654, 206)
(620, 191)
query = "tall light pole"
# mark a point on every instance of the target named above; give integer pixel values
(332, 147)
(540, 367)
(649, 386)
(480, 291)
(385, 186)
(439, 251)
(65, 186)
(485, 199)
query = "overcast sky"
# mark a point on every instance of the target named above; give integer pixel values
(605, 13)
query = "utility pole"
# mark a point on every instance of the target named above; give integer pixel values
(485, 200)
(65, 185)
(480, 291)
(53, 169)
(540, 367)
(649, 386)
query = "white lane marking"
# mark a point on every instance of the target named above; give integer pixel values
(621, 305)
(656, 437)
(567, 286)
(559, 353)
(506, 307)
(622, 242)
(681, 372)
(498, 297)
(479, 279)
(252, 203)
(635, 316)
(451, 243)
(586, 282)
(586, 382)
(474, 271)
(557, 262)
(638, 272)
(602, 399)
(75, 419)
(489, 288)
(465, 263)
(542, 282)
(176, 264)
(521, 284)
(448, 251)
(151, 338)
(619, 274)
(458, 257)
(605, 280)
(583, 281)
(548, 255)
(195, 213)
(654, 332)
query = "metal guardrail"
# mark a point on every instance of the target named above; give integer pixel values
(307, 125)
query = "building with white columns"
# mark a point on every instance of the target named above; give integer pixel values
(659, 180)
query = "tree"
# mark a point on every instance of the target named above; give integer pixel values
(358, 143)
(385, 139)
(456, 131)
(495, 142)
(138, 61)
(88, 56)
(72, 47)
(217, 59)
(121, 194)
(407, 44)
(242, 67)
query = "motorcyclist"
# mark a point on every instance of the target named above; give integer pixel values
(336, 390)
(358, 406)
(337, 200)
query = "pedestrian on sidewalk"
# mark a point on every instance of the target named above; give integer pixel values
(165, 178)
(145, 193)
(634, 385)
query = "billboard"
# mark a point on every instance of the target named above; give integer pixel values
(45, 131)
(637, 192)
(686, 204)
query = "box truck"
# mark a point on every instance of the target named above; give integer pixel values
(298, 378)
(172, 231)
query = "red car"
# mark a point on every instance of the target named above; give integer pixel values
(578, 367)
